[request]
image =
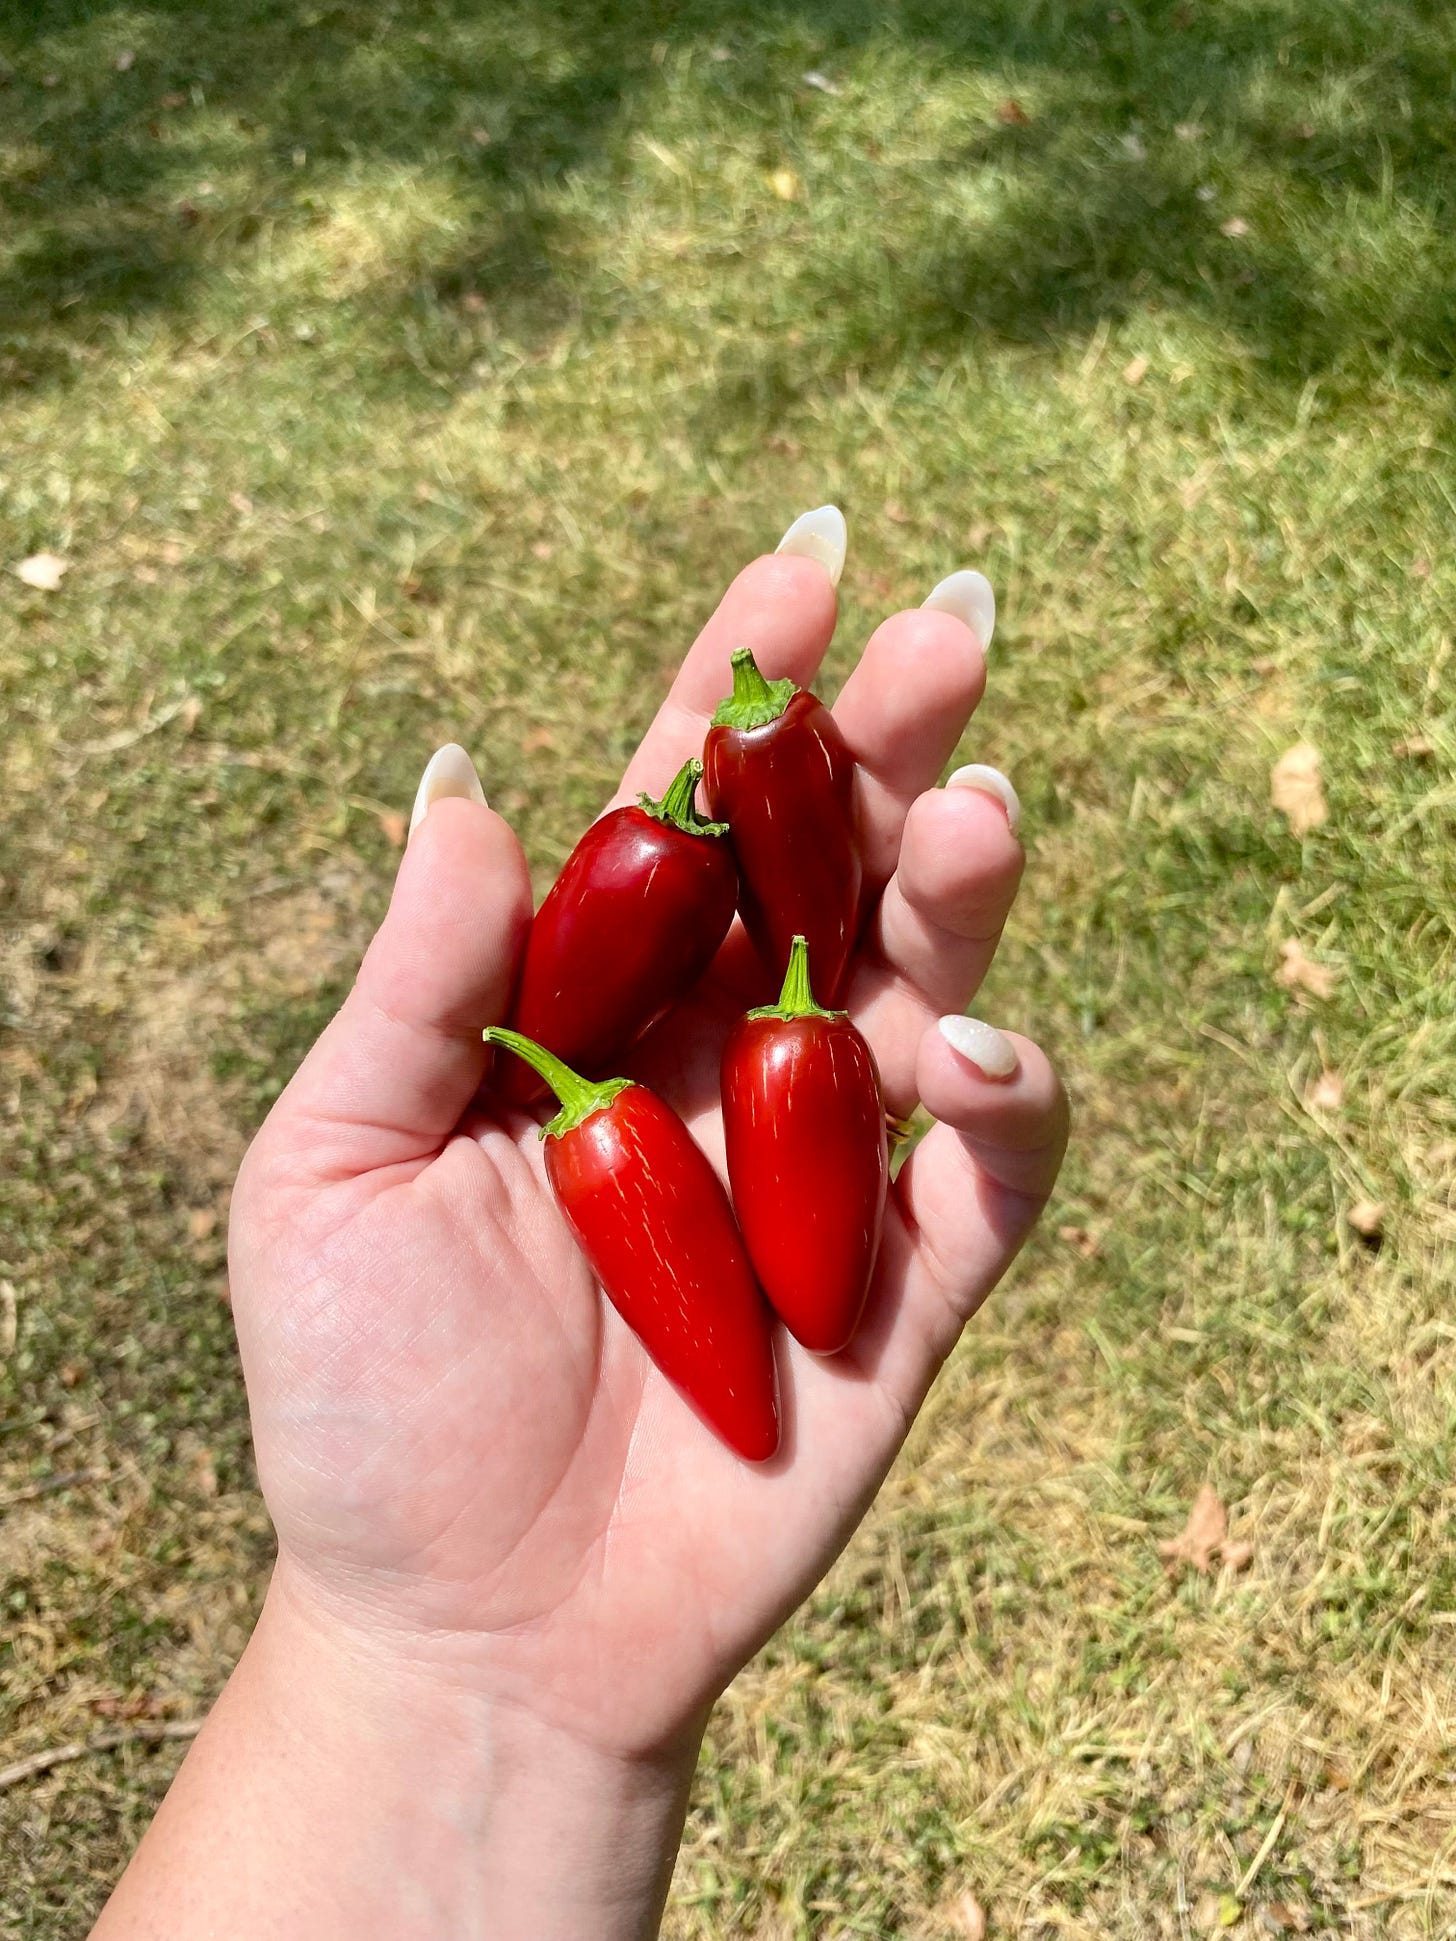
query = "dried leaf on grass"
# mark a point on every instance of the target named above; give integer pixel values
(1134, 372)
(1281, 1917)
(394, 825)
(1205, 1536)
(1367, 1217)
(968, 1918)
(1082, 1239)
(1327, 1093)
(44, 571)
(1296, 788)
(1298, 971)
(1011, 112)
(1235, 227)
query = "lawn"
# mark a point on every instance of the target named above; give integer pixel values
(388, 374)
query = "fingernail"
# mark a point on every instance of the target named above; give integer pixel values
(990, 781)
(449, 771)
(820, 534)
(981, 1043)
(969, 597)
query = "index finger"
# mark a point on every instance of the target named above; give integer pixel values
(783, 606)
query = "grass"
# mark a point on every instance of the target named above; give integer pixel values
(390, 374)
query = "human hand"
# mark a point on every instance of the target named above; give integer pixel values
(462, 1446)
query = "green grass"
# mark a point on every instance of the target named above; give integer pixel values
(397, 373)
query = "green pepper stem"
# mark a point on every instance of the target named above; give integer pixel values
(754, 701)
(796, 999)
(678, 807)
(579, 1096)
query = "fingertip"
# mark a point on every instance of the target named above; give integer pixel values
(959, 857)
(997, 1088)
(785, 606)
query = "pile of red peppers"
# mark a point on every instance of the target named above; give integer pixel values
(637, 915)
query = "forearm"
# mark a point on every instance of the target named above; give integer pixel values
(334, 1793)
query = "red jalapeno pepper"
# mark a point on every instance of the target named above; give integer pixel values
(630, 925)
(808, 1160)
(651, 1216)
(780, 773)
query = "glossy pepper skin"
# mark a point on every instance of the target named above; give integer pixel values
(630, 925)
(651, 1216)
(808, 1160)
(778, 771)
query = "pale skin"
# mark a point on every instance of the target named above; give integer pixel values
(514, 1569)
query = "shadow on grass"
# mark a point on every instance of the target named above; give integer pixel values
(1100, 200)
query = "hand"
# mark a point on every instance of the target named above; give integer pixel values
(457, 1438)
(472, 1466)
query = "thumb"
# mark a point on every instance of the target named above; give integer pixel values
(391, 1076)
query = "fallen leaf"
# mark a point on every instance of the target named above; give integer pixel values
(896, 513)
(1238, 1554)
(71, 1373)
(1367, 1217)
(538, 742)
(481, 137)
(1414, 747)
(1136, 371)
(1327, 1094)
(1420, 568)
(125, 59)
(176, 99)
(394, 825)
(1296, 788)
(1082, 1239)
(1300, 972)
(204, 1473)
(1200, 1537)
(44, 571)
(1011, 112)
(968, 1917)
(1281, 1918)
(1235, 226)
(821, 82)
(785, 184)
(9, 1321)
(202, 1221)
(1337, 1779)
(190, 713)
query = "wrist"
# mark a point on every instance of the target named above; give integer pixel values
(489, 1817)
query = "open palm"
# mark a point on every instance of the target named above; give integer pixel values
(463, 1448)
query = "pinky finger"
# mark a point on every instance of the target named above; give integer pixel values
(971, 1191)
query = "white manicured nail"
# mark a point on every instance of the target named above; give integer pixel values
(970, 598)
(820, 534)
(449, 771)
(990, 781)
(982, 1043)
